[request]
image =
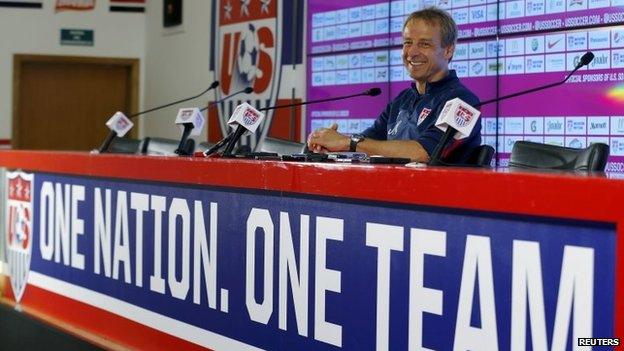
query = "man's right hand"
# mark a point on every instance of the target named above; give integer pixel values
(328, 139)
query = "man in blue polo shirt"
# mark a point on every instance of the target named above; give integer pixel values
(406, 128)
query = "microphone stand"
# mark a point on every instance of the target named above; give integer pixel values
(450, 131)
(233, 138)
(223, 141)
(112, 134)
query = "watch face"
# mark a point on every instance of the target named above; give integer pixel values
(357, 137)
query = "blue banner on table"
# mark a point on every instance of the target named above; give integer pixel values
(287, 272)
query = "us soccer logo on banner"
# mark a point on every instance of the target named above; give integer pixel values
(249, 55)
(19, 230)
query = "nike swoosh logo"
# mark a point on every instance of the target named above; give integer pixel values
(550, 45)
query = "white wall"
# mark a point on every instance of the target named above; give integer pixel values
(177, 65)
(37, 31)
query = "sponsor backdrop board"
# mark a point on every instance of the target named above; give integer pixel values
(230, 269)
(352, 45)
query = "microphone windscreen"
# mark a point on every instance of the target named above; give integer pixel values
(587, 58)
(214, 84)
(373, 91)
(249, 90)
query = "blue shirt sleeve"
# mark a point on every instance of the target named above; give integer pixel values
(379, 129)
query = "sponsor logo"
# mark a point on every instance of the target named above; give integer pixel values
(461, 51)
(576, 42)
(617, 57)
(551, 44)
(552, 126)
(575, 143)
(576, 60)
(599, 40)
(514, 67)
(602, 125)
(575, 125)
(534, 44)
(490, 126)
(515, 47)
(19, 230)
(533, 126)
(617, 37)
(495, 67)
(575, 3)
(477, 67)
(601, 60)
(555, 62)
(535, 64)
(477, 51)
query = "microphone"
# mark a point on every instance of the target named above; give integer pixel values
(455, 112)
(122, 120)
(246, 118)
(222, 142)
(247, 90)
(369, 92)
(191, 121)
(233, 137)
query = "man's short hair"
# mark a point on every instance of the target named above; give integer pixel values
(433, 16)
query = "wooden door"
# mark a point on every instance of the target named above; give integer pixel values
(63, 103)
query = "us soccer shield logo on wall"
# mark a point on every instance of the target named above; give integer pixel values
(19, 230)
(248, 55)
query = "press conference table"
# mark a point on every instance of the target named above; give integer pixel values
(195, 253)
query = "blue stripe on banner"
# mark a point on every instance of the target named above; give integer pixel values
(271, 269)
(20, 4)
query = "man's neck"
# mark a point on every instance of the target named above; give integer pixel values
(421, 86)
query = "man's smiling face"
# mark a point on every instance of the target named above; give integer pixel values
(423, 55)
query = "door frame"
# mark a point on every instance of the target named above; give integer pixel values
(20, 59)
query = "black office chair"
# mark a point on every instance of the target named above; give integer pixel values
(124, 146)
(481, 156)
(530, 155)
(280, 146)
(165, 147)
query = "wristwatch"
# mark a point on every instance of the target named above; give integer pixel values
(355, 139)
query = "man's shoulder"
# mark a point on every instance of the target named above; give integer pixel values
(458, 90)
(404, 96)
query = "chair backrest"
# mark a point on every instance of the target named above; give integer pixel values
(481, 156)
(526, 154)
(164, 147)
(124, 146)
(280, 146)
